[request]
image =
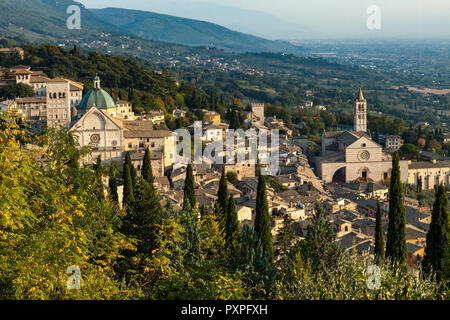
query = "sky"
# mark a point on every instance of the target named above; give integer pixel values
(318, 18)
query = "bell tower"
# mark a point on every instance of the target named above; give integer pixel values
(96, 82)
(360, 121)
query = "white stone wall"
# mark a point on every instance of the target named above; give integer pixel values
(95, 129)
(430, 177)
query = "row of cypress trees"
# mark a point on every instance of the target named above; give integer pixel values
(438, 236)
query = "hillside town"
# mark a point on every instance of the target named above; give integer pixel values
(349, 177)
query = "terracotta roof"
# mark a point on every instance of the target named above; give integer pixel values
(38, 79)
(429, 165)
(19, 72)
(146, 133)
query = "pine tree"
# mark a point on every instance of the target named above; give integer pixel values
(319, 247)
(379, 242)
(189, 188)
(262, 220)
(147, 172)
(222, 199)
(232, 225)
(284, 237)
(251, 261)
(438, 236)
(396, 237)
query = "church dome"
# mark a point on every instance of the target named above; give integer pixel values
(98, 97)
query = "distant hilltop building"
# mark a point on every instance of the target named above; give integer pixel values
(258, 111)
(10, 51)
(349, 156)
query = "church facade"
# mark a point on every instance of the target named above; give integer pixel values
(349, 156)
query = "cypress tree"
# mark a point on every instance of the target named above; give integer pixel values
(142, 222)
(128, 196)
(262, 221)
(133, 174)
(232, 225)
(379, 243)
(438, 234)
(396, 237)
(147, 172)
(234, 121)
(222, 199)
(189, 188)
(203, 211)
(112, 184)
(99, 179)
(189, 220)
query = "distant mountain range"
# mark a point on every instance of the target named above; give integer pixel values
(45, 21)
(253, 22)
(190, 32)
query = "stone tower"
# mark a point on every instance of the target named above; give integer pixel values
(360, 121)
(58, 103)
(258, 111)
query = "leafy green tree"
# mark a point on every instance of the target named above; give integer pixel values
(410, 151)
(19, 90)
(438, 236)
(262, 220)
(379, 242)
(47, 224)
(189, 188)
(396, 237)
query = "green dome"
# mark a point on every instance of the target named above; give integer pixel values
(98, 97)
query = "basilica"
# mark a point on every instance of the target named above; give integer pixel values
(110, 128)
(349, 156)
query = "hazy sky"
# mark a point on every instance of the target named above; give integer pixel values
(399, 18)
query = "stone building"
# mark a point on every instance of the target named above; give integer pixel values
(258, 111)
(429, 174)
(394, 142)
(97, 130)
(352, 155)
(58, 103)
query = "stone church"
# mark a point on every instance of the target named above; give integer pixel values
(349, 156)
